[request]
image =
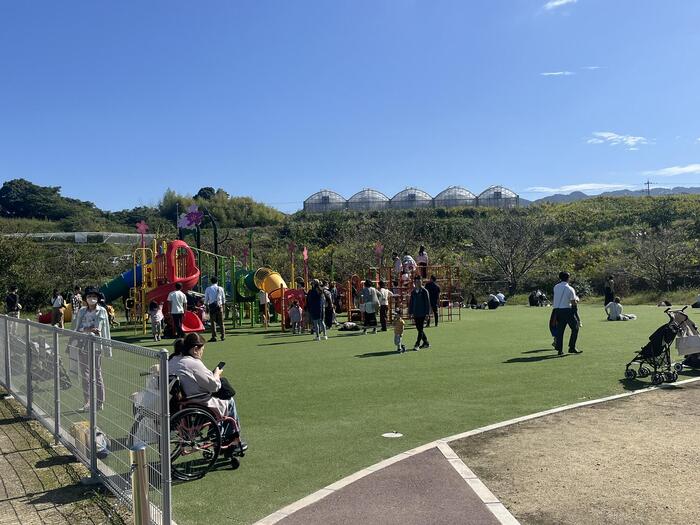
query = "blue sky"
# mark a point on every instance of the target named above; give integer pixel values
(116, 101)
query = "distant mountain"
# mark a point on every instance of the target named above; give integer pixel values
(561, 198)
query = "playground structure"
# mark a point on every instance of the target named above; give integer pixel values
(401, 285)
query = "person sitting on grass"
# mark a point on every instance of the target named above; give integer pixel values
(614, 311)
(493, 302)
(195, 378)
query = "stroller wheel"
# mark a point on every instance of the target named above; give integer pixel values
(630, 374)
(235, 463)
(671, 377)
(657, 378)
(644, 372)
(678, 367)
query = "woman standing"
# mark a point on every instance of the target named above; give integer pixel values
(609, 290)
(93, 319)
(422, 260)
(58, 305)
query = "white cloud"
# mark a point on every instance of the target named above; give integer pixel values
(588, 186)
(557, 73)
(690, 169)
(591, 68)
(630, 142)
(553, 4)
(698, 139)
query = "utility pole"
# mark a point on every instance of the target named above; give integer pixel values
(648, 183)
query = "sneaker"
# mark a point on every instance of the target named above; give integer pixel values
(398, 350)
(425, 346)
(575, 351)
(403, 348)
(317, 338)
(416, 348)
(212, 340)
(560, 352)
(325, 338)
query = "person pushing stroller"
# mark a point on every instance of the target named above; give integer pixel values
(565, 313)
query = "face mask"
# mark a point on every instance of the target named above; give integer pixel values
(92, 301)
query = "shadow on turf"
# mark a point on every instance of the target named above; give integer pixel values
(552, 355)
(377, 354)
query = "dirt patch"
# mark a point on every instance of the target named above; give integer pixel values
(632, 460)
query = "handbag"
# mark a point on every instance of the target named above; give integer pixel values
(226, 391)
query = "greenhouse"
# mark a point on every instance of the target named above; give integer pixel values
(368, 199)
(411, 198)
(325, 200)
(455, 196)
(499, 197)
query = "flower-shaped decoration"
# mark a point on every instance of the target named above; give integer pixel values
(141, 227)
(191, 219)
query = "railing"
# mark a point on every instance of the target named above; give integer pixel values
(86, 390)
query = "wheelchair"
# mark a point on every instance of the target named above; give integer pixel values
(199, 435)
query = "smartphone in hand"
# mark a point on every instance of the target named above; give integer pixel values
(221, 365)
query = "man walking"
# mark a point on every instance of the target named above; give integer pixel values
(178, 302)
(419, 309)
(384, 295)
(434, 293)
(215, 299)
(565, 299)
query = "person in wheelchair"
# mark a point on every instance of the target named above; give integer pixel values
(197, 381)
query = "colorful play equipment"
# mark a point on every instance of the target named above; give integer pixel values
(156, 271)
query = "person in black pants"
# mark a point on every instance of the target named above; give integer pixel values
(609, 290)
(419, 309)
(434, 293)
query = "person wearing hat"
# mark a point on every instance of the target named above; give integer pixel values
(93, 319)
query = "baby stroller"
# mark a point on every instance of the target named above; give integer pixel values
(688, 345)
(654, 358)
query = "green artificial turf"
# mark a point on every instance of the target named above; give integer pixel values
(314, 412)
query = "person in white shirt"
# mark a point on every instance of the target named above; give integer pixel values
(178, 303)
(501, 298)
(215, 299)
(565, 300)
(614, 311)
(58, 307)
(398, 268)
(384, 295)
(264, 303)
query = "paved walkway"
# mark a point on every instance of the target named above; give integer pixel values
(40, 484)
(423, 489)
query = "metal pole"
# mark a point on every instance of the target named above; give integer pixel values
(166, 481)
(28, 371)
(139, 485)
(93, 408)
(56, 390)
(8, 374)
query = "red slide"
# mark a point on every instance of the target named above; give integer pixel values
(190, 322)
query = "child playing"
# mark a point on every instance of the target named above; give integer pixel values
(398, 332)
(295, 314)
(155, 312)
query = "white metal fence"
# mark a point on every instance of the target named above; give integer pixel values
(86, 391)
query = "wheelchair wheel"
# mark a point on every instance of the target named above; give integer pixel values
(195, 442)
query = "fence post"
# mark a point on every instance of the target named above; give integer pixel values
(139, 485)
(56, 390)
(166, 481)
(28, 372)
(93, 409)
(8, 373)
